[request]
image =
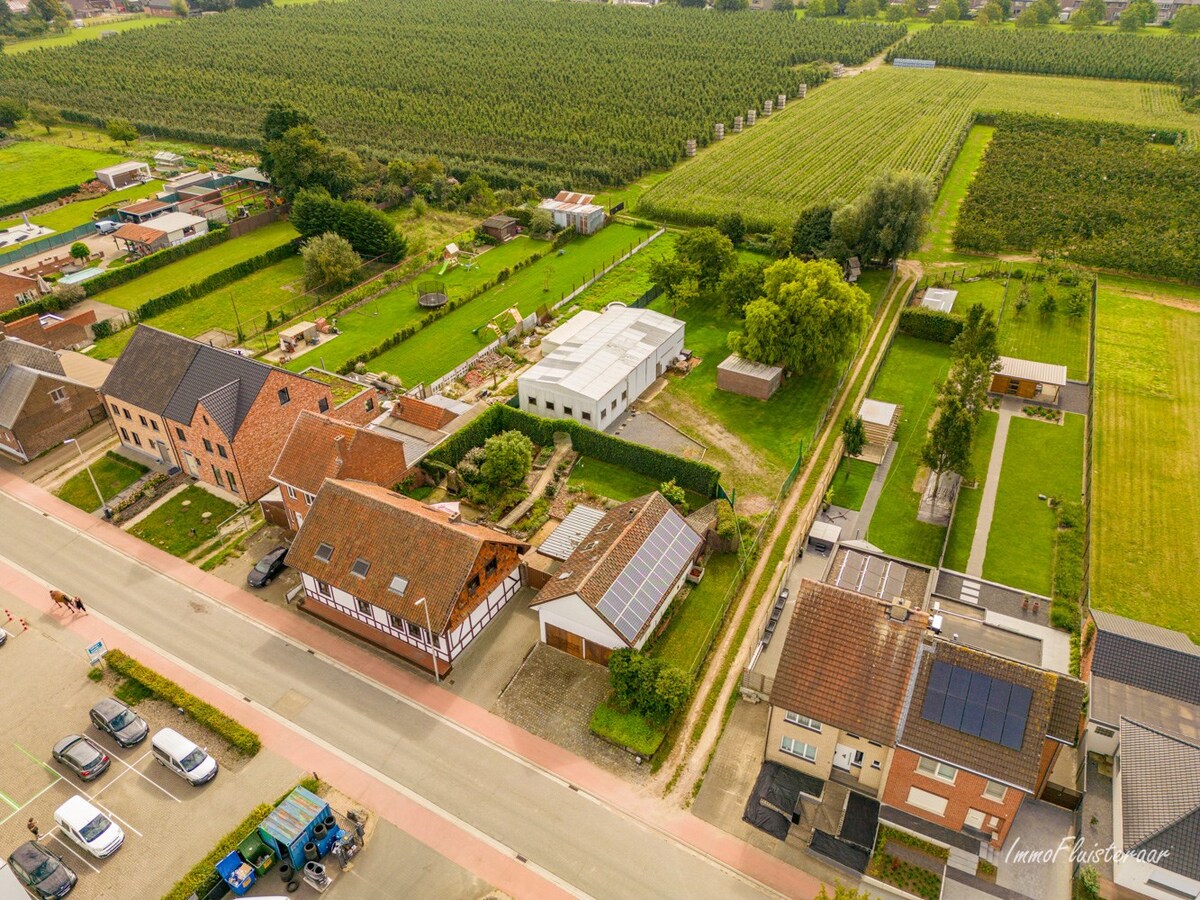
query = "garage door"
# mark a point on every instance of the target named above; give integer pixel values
(566, 641)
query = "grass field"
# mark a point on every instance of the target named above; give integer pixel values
(988, 292)
(113, 473)
(630, 280)
(939, 248)
(1050, 338)
(32, 168)
(66, 217)
(180, 529)
(199, 265)
(966, 508)
(907, 377)
(435, 350)
(831, 144)
(86, 33)
(690, 630)
(1146, 465)
(1039, 458)
(851, 481)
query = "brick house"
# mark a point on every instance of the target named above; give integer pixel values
(40, 405)
(55, 332)
(221, 417)
(17, 290)
(320, 448)
(868, 697)
(390, 569)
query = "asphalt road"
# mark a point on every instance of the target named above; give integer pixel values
(597, 851)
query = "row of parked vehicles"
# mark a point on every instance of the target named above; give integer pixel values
(43, 873)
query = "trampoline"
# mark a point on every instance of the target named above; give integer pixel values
(431, 293)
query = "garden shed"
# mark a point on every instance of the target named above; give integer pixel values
(939, 299)
(500, 227)
(294, 337)
(748, 378)
(293, 823)
(123, 174)
(1028, 380)
(880, 421)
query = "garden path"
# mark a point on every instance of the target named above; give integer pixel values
(987, 504)
(562, 446)
(874, 489)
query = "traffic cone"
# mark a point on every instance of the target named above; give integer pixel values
(24, 624)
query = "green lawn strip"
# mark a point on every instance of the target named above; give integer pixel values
(67, 216)
(685, 640)
(32, 168)
(907, 377)
(366, 326)
(245, 301)
(940, 246)
(435, 350)
(851, 481)
(113, 473)
(1050, 338)
(86, 33)
(179, 530)
(1039, 458)
(627, 728)
(199, 265)
(630, 280)
(605, 479)
(987, 292)
(966, 509)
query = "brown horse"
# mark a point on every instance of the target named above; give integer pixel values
(61, 599)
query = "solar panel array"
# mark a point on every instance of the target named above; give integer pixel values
(871, 575)
(977, 704)
(633, 597)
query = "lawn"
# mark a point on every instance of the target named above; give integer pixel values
(86, 33)
(434, 351)
(907, 377)
(1039, 458)
(433, 230)
(939, 248)
(113, 473)
(850, 482)
(178, 529)
(987, 292)
(32, 168)
(66, 217)
(630, 280)
(199, 265)
(604, 479)
(627, 729)
(689, 633)
(246, 300)
(966, 509)
(365, 327)
(1050, 338)
(1146, 465)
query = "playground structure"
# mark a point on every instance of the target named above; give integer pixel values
(431, 293)
(504, 322)
(453, 256)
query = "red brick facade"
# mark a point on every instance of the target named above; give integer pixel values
(46, 422)
(964, 795)
(360, 410)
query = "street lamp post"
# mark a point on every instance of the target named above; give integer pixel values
(88, 466)
(429, 633)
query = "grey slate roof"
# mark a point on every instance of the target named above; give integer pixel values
(150, 368)
(1160, 796)
(15, 384)
(21, 364)
(16, 352)
(1109, 700)
(1148, 657)
(239, 378)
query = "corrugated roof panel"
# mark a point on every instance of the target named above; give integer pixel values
(571, 531)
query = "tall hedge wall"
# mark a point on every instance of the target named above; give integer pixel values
(25, 203)
(694, 476)
(930, 324)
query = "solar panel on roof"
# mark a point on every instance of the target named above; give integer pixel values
(977, 704)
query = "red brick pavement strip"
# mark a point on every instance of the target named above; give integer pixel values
(615, 792)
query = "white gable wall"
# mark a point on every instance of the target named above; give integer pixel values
(572, 614)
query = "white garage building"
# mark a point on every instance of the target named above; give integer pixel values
(596, 364)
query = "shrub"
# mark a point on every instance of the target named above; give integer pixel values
(675, 495)
(647, 685)
(203, 877)
(930, 324)
(95, 673)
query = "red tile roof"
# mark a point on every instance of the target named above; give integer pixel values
(139, 234)
(398, 536)
(418, 412)
(313, 453)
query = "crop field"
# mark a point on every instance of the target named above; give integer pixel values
(1093, 54)
(1146, 466)
(588, 93)
(939, 246)
(32, 168)
(832, 144)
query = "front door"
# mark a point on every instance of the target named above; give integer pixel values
(843, 756)
(193, 467)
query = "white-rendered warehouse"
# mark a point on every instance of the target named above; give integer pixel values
(596, 364)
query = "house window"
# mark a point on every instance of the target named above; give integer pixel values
(624, 395)
(154, 424)
(803, 721)
(308, 499)
(207, 445)
(799, 749)
(938, 770)
(324, 590)
(567, 411)
(995, 792)
(205, 418)
(370, 404)
(472, 586)
(284, 397)
(179, 434)
(58, 395)
(927, 801)
(395, 621)
(532, 401)
(437, 641)
(360, 568)
(415, 630)
(323, 405)
(398, 586)
(125, 435)
(1105, 732)
(324, 552)
(876, 765)
(604, 413)
(490, 568)
(587, 416)
(614, 403)
(137, 440)
(232, 483)
(116, 410)
(217, 476)
(127, 415)
(291, 492)
(363, 606)
(221, 451)
(142, 419)
(550, 405)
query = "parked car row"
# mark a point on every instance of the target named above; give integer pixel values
(43, 873)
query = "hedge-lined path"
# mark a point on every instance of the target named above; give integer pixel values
(991, 485)
(426, 759)
(562, 446)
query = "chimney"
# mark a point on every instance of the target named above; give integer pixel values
(898, 611)
(339, 447)
(455, 517)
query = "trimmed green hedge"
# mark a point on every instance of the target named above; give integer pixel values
(930, 324)
(241, 737)
(49, 303)
(159, 305)
(30, 202)
(113, 277)
(694, 476)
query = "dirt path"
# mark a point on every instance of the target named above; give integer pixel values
(690, 760)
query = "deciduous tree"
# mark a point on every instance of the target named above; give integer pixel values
(733, 227)
(889, 220)
(709, 252)
(329, 261)
(46, 116)
(1186, 21)
(948, 446)
(854, 435)
(121, 130)
(507, 458)
(79, 251)
(740, 286)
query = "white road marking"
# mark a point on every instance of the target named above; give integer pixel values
(130, 768)
(70, 849)
(113, 815)
(30, 800)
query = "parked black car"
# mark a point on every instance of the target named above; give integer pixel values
(82, 756)
(45, 875)
(268, 567)
(115, 718)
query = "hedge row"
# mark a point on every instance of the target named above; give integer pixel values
(159, 305)
(241, 737)
(121, 275)
(655, 464)
(48, 303)
(17, 206)
(930, 324)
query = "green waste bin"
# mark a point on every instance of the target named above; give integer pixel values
(258, 854)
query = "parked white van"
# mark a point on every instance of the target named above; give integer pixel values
(183, 757)
(89, 827)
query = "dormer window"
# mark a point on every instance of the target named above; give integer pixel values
(360, 568)
(324, 552)
(284, 397)
(398, 586)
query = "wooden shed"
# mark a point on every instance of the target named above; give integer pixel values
(748, 378)
(880, 421)
(1028, 380)
(500, 227)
